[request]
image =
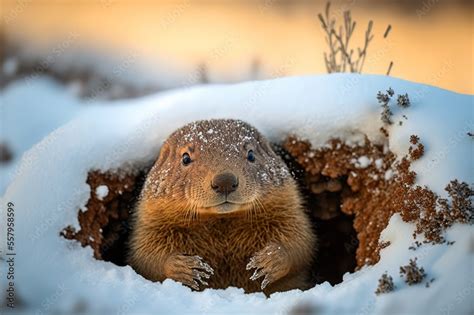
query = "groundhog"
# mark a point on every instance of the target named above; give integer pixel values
(219, 208)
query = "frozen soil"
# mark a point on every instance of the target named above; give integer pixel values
(380, 186)
(351, 192)
(104, 221)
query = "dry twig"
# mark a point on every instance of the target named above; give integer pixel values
(341, 57)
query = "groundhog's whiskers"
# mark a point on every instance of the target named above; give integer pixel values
(188, 213)
(256, 209)
(250, 211)
(195, 212)
(262, 207)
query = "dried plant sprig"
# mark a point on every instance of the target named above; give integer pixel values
(341, 57)
(412, 273)
(389, 68)
(403, 100)
(385, 284)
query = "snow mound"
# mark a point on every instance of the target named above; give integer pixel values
(30, 110)
(56, 275)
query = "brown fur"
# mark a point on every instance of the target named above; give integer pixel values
(179, 233)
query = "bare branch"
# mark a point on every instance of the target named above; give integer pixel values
(387, 31)
(340, 56)
(390, 68)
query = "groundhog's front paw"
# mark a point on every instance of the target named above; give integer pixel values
(189, 270)
(272, 262)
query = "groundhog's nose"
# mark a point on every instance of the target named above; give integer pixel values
(225, 183)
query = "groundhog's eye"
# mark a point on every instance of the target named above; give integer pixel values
(250, 156)
(186, 159)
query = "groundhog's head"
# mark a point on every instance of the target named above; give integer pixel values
(215, 167)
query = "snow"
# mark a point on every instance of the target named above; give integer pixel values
(388, 174)
(378, 163)
(49, 185)
(101, 192)
(30, 110)
(362, 162)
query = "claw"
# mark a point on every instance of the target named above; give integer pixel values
(251, 264)
(264, 264)
(201, 272)
(257, 274)
(191, 271)
(206, 267)
(199, 275)
(193, 284)
(265, 282)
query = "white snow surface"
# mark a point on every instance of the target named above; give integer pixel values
(101, 192)
(362, 162)
(56, 275)
(29, 111)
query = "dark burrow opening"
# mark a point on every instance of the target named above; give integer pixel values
(105, 223)
(337, 239)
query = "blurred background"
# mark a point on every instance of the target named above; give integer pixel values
(126, 48)
(58, 56)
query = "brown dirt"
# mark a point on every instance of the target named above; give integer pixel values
(104, 223)
(363, 198)
(374, 196)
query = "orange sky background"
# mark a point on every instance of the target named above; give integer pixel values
(430, 41)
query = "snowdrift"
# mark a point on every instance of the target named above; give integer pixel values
(56, 275)
(30, 110)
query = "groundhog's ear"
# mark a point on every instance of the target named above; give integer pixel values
(155, 176)
(164, 154)
(265, 144)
